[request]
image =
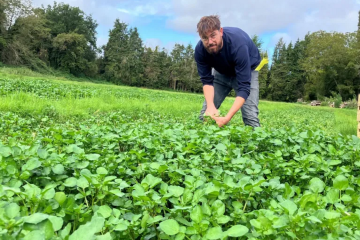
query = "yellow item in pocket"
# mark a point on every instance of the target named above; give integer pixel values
(262, 63)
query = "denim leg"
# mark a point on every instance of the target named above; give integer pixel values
(222, 87)
(250, 110)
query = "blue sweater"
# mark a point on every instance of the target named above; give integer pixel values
(238, 57)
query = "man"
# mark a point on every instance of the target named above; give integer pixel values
(234, 57)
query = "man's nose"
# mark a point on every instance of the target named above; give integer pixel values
(211, 41)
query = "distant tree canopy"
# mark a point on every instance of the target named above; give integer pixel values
(63, 37)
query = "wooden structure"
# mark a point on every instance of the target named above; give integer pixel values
(358, 117)
(315, 103)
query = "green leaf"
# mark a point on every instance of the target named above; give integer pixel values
(180, 236)
(12, 210)
(75, 149)
(346, 198)
(31, 164)
(42, 153)
(121, 227)
(92, 157)
(58, 169)
(48, 193)
(334, 162)
(281, 221)
(82, 182)
(218, 208)
(154, 165)
(340, 182)
(60, 197)
(223, 219)
(151, 181)
(5, 151)
(170, 227)
(70, 182)
(88, 230)
(36, 218)
(107, 236)
(35, 235)
(105, 211)
(101, 171)
(332, 196)
(176, 191)
(314, 219)
(66, 231)
(255, 223)
(289, 205)
(57, 222)
(82, 164)
(196, 214)
(214, 233)
(237, 231)
(221, 147)
(316, 185)
(206, 209)
(332, 215)
(144, 219)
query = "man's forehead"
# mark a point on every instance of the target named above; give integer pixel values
(209, 32)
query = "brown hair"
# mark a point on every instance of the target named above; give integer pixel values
(208, 23)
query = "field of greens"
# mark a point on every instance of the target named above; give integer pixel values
(91, 161)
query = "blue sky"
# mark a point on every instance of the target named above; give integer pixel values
(166, 22)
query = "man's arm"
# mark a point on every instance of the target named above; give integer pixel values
(207, 79)
(243, 77)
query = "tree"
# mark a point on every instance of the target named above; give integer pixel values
(330, 64)
(70, 50)
(15, 9)
(279, 71)
(26, 42)
(64, 19)
(116, 52)
(3, 21)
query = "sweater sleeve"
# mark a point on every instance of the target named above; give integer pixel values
(204, 69)
(243, 72)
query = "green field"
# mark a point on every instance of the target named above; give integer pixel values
(85, 160)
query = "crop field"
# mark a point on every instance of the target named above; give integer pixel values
(82, 161)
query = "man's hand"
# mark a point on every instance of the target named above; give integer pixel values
(221, 121)
(211, 111)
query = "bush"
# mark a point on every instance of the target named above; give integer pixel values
(352, 103)
(325, 103)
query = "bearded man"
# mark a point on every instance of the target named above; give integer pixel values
(235, 58)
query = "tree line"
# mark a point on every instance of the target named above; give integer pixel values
(62, 37)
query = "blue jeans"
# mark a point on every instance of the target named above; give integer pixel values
(222, 87)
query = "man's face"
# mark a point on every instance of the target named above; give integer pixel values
(213, 41)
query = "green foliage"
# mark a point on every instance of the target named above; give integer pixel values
(69, 50)
(333, 69)
(64, 38)
(115, 177)
(73, 39)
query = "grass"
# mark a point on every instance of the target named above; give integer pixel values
(182, 106)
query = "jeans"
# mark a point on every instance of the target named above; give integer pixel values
(222, 87)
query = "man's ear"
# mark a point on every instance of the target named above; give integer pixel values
(221, 31)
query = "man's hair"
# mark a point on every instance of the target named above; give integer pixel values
(208, 23)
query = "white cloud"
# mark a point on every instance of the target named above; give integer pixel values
(168, 46)
(287, 19)
(153, 43)
(282, 18)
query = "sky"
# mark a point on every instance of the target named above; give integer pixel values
(164, 23)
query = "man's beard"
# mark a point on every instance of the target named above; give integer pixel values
(214, 49)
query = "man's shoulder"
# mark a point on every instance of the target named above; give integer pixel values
(199, 45)
(236, 33)
(199, 49)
